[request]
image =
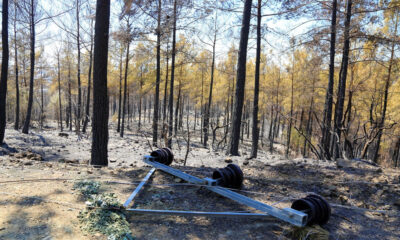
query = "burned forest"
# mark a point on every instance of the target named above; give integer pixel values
(177, 119)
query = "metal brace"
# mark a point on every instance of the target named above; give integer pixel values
(289, 215)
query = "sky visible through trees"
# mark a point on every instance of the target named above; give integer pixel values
(51, 35)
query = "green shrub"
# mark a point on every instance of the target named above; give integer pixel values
(104, 215)
(87, 187)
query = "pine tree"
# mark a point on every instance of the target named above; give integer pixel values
(240, 80)
(100, 95)
(4, 70)
(256, 130)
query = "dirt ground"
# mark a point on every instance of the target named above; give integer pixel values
(37, 200)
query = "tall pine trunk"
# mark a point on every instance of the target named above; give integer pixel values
(78, 45)
(17, 107)
(41, 100)
(4, 70)
(140, 98)
(171, 91)
(100, 96)
(309, 121)
(342, 81)
(386, 95)
(87, 115)
(157, 94)
(166, 87)
(25, 129)
(240, 80)
(326, 123)
(59, 89)
(207, 113)
(201, 106)
(289, 129)
(120, 92)
(255, 131)
(69, 97)
(121, 133)
(177, 108)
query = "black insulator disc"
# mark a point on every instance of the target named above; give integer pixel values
(321, 213)
(228, 175)
(170, 156)
(233, 177)
(164, 156)
(239, 175)
(307, 206)
(218, 174)
(326, 208)
(318, 209)
(157, 155)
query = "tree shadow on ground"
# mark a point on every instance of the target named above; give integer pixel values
(22, 224)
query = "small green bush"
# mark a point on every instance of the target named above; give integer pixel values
(103, 213)
(87, 187)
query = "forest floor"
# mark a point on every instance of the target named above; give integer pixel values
(38, 171)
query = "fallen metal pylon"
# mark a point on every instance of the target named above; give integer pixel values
(309, 210)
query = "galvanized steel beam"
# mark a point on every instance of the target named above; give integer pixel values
(139, 187)
(197, 213)
(289, 215)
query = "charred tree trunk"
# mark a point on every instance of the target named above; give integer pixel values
(342, 80)
(24, 65)
(59, 89)
(270, 122)
(166, 87)
(140, 98)
(385, 98)
(177, 109)
(25, 129)
(289, 129)
(262, 130)
(16, 124)
(347, 116)
(240, 80)
(41, 100)
(326, 123)
(100, 96)
(308, 128)
(255, 130)
(182, 106)
(201, 106)
(157, 94)
(69, 98)
(207, 113)
(4, 70)
(171, 92)
(273, 130)
(128, 109)
(78, 45)
(121, 133)
(85, 123)
(120, 93)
